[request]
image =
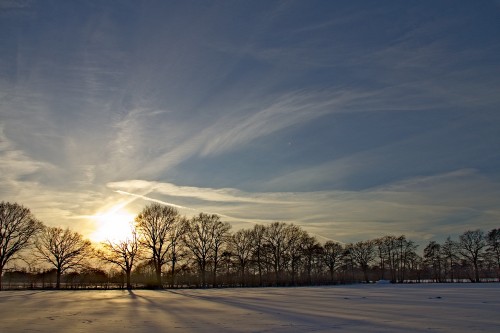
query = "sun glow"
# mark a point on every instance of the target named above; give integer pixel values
(113, 225)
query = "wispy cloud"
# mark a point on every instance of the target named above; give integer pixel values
(287, 110)
(15, 164)
(227, 195)
(420, 207)
(381, 104)
(246, 123)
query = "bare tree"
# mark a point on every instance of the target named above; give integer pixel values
(275, 239)
(388, 256)
(332, 257)
(258, 233)
(363, 254)
(122, 253)
(471, 247)
(493, 240)
(154, 223)
(433, 258)
(63, 249)
(220, 234)
(395, 253)
(449, 250)
(293, 249)
(201, 242)
(17, 229)
(312, 251)
(177, 249)
(415, 265)
(406, 250)
(241, 245)
(198, 240)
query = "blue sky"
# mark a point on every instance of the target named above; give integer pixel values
(353, 119)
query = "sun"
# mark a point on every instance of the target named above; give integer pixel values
(112, 225)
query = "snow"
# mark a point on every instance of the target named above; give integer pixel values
(366, 308)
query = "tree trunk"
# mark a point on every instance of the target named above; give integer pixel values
(158, 276)
(277, 272)
(365, 273)
(129, 284)
(173, 273)
(58, 278)
(243, 275)
(382, 268)
(498, 275)
(259, 264)
(203, 278)
(476, 272)
(214, 276)
(1, 273)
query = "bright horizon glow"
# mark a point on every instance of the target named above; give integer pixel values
(112, 225)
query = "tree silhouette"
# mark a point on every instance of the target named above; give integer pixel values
(258, 233)
(363, 253)
(405, 252)
(312, 252)
(122, 254)
(154, 223)
(433, 257)
(450, 256)
(177, 249)
(493, 240)
(241, 245)
(471, 247)
(220, 234)
(203, 247)
(388, 255)
(332, 257)
(275, 239)
(17, 229)
(63, 249)
(294, 249)
(204, 237)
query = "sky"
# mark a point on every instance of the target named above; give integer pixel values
(352, 119)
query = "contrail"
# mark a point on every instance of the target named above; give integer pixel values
(139, 196)
(177, 206)
(169, 203)
(153, 200)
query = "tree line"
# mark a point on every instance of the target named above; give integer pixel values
(166, 249)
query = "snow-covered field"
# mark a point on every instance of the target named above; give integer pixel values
(359, 308)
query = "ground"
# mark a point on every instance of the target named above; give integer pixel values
(366, 308)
